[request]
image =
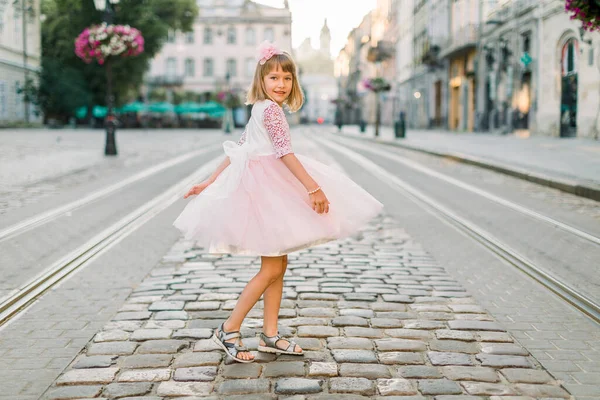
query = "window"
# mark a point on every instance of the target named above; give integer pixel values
(208, 67)
(250, 36)
(190, 67)
(19, 110)
(231, 35)
(269, 34)
(526, 42)
(171, 66)
(189, 37)
(232, 67)
(208, 35)
(250, 66)
(171, 36)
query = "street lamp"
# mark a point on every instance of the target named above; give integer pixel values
(110, 123)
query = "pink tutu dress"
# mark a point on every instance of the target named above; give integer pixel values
(257, 207)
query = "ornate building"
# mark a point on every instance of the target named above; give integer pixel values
(221, 52)
(20, 54)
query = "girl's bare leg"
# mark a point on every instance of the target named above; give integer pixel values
(272, 299)
(271, 270)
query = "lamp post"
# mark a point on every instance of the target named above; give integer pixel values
(110, 122)
(227, 117)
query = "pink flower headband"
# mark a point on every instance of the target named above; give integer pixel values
(266, 51)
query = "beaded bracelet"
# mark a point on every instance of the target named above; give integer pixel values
(315, 191)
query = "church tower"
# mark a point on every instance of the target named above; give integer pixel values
(325, 40)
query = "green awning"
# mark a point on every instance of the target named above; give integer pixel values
(161, 107)
(81, 112)
(133, 107)
(99, 111)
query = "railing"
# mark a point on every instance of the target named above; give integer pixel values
(464, 37)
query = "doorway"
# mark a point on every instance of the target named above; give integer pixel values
(569, 85)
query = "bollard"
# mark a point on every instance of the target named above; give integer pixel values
(363, 126)
(400, 127)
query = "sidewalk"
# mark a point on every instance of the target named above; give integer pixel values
(571, 165)
(375, 314)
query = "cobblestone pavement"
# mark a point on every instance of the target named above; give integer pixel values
(376, 316)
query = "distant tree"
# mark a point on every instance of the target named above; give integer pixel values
(65, 19)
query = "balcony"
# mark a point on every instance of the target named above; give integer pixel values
(463, 39)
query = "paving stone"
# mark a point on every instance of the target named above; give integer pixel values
(171, 389)
(504, 349)
(309, 343)
(162, 346)
(72, 392)
(424, 324)
(349, 343)
(165, 315)
(492, 360)
(386, 323)
(317, 312)
(354, 356)
(350, 321)
(357, 313)
(351, 385)
(87, 376)
(193, 333)
(446, 358)
(400, 345)
(395, 387)
(132, 316)
(420, 372)
(145, 375)
(400, 358)
(195, 374)
(244, 386)
(449, 334)
(318, 296)
(95, 362)
(206, 345)
(488, 389)
(469, 325)
(150, 334)
(323, 369)
(317, 331)
(298, 385)
(369, 371)
(146, 361)
(112, 348)
(117, 390)
(408, 334)
(202, 306)
(168, 324)
(542, 391)
(480, 374)
(197, 359)
(363, 332)
(240, 370)
(455, 346)
(115, 335)
(394, 298)
(439, 386)
(279, 369)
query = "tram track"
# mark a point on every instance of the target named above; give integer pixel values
(559, 286)
(26, 295)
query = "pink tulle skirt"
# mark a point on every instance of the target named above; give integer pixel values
(268, 212)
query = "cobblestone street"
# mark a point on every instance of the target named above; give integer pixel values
(376, 315)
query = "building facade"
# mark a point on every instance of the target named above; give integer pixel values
(20, 58)
(221, 52)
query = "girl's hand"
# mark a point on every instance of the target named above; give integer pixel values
(319, 202)
(197, 189)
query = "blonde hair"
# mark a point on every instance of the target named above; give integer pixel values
(257, 91)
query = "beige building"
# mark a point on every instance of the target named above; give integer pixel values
(221, 52)
(20, 53)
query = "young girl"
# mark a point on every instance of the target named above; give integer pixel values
(264, 200)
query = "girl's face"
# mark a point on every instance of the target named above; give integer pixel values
(278, 84)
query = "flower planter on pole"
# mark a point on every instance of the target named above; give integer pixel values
(377, 85)
(102, 43)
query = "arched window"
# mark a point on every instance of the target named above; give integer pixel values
(231, 35)
(569, 57)
(250, 36)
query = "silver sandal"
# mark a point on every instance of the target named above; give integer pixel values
(231, 349)
(271, 345)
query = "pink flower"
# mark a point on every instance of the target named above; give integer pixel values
(266, 51)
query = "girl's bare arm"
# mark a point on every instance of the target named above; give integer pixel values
(219, 169)
(295, 166)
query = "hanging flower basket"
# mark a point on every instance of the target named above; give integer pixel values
(98, 42)
(376, 85)
(586, 11)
